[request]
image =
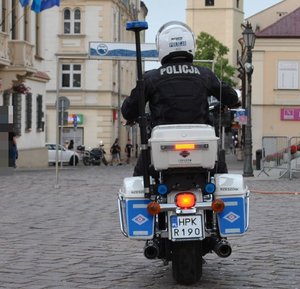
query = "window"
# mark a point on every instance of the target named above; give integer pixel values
(39, 113)
(209, 2)
(237, 3)
(288, 75)
(72, 21)
(28, 113)
(77, 23)
(17, 112)
(71, 75)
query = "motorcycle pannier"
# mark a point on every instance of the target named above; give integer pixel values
(234, 220)
(186, 145)
(135, 221)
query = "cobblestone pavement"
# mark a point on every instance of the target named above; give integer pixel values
(69, 237)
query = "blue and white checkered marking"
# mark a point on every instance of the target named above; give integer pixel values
(140, 219)
(231, 217)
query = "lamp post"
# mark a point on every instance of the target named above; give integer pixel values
(249, 40)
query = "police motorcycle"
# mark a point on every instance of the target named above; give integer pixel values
(180, 207)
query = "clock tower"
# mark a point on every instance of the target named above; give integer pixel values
(220, 18)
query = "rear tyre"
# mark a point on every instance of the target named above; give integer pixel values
(186, 262)
(72, 160)
(86, 161)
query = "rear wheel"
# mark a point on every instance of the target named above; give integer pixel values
(86, 161)
(186, 262)
(73, 159)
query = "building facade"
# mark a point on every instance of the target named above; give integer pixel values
(276, 60)
(23, 80)
(95, 88)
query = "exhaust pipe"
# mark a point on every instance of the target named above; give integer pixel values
(151, 249)
(222, 248)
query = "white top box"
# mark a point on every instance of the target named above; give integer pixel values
(132, 188)
(183, 145)
(230, 185)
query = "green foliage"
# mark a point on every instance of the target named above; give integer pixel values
(209, 48)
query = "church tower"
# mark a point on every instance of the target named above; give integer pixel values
(220, 18)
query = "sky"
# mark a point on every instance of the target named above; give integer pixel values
(162, 11)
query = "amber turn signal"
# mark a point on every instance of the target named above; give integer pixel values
(218, 205)
(153, 208)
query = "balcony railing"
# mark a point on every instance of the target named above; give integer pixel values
(21, 55)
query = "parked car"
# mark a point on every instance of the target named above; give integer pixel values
(64, 155)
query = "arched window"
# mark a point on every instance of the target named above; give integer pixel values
(77, 20)
(72, 21)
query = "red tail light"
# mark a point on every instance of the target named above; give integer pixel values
(185, 146)
(185, 200)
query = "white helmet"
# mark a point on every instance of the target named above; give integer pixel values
(175, 39)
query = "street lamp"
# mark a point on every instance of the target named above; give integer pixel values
(249, 40)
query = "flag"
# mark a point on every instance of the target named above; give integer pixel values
(40, 5)
(24, 2)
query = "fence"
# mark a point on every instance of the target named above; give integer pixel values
(280, 153)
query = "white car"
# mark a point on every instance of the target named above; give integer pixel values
(64, 155)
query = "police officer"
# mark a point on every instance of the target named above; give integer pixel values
(178, 91)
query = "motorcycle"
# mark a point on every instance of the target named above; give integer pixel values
(94, 156)
(183, 206)
(190, 211)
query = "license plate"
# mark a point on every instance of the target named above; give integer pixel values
(186, 227)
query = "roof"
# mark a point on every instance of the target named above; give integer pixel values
(286, 27)
(41, 74)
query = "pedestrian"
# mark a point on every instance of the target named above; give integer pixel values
(128, 149)
(115, 152)
(13, 149)
(178, 91)
(71, 145)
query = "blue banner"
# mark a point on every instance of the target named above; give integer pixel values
(39, 5)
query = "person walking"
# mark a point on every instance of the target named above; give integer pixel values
(71, 145)
(115, 152)
(13, 150)
(128, 149)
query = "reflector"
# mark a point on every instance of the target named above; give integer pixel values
(153, 208)
(185, 200)
(218, 205)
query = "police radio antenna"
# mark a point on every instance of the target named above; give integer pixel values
(220, 106)
(137, 27)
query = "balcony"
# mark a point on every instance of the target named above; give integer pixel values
(4, 59)
(21, 56)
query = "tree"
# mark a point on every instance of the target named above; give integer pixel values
(209, 48)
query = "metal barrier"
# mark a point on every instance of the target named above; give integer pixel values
(275, 154)
(294, 164)
(282, 153)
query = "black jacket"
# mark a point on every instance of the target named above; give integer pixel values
(178, 93)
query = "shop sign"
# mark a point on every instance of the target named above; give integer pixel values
(290, 114)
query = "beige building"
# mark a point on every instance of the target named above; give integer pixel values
(221, 19)
(23, 80)
(95, 88)
(276, 60)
